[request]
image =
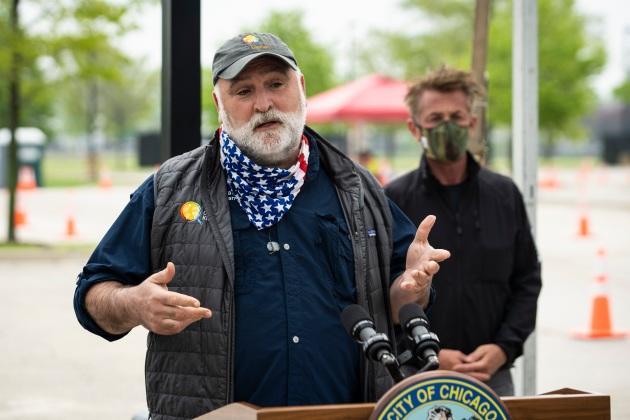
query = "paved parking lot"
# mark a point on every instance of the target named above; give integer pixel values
(52, 369)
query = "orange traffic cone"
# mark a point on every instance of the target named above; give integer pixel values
(19, 215)
(601, 323)
(26, 178)
(584, 230)
(71, 225)
(549, 180)
(105, 179)
(71, 228)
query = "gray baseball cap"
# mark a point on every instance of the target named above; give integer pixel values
(235, 53)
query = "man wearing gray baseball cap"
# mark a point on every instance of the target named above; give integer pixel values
(237, 52)
(273, 232)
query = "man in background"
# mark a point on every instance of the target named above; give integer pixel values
(486, 293)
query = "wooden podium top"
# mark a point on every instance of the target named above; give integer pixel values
(564, 403)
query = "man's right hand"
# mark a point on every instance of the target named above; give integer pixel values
(161, 311)
(481, 364)
(450, 358)
(117, 308)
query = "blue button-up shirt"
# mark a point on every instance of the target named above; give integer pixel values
(292, 282)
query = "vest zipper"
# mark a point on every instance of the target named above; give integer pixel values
(230, 381)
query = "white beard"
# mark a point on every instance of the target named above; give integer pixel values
(270, 147)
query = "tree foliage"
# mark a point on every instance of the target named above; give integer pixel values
(568, 56)
(64, 43)
(314, 60)
(622, 92)
(55, 42)
(446, 39)
(132, 102)
(36, 87)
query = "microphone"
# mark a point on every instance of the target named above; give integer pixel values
(425, 344)
(376, 346)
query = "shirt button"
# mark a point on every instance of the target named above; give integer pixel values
(286, 247)
(296, 339)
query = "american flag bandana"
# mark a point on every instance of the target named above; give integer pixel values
(265, 194)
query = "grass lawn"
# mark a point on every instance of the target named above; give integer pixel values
(403, 163)
(62, 170)
(32, 250)
(71, 170)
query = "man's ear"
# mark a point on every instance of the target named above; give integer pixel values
(415, 131)
(215, 100)
(473, 121)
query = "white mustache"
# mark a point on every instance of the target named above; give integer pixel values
(269, 116)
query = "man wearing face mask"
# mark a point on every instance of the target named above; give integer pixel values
(486, 293)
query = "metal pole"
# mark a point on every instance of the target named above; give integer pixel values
(525, 136)
(181, 77)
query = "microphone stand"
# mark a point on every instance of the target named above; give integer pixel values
(391, 363)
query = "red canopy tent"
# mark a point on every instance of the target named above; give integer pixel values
(373, 98)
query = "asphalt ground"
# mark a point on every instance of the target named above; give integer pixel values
(52, 369)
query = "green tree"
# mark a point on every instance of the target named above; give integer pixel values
(622, 92)
(25, 96)
(14, 63)
(90, 61)
(36, 88)
(568, 57)
(65, 38)
(447, 39)
(130, 103)
(314, 60)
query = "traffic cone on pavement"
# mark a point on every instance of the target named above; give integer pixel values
(601, 323)
(549, 179)
(26, 178)
(19, 214)
(584, 230)
(71, 225)
(105, 179)
(71, 228)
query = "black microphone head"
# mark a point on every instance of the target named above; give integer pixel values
(409, 312)
(352, 315)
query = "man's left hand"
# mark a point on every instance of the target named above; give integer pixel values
(483, 362)
(414, 284)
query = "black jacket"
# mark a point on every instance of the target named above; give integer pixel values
(487, 291)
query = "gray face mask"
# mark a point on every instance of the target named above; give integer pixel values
(445, 142)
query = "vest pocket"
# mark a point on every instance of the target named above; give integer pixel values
(338, 251)
(245, 263)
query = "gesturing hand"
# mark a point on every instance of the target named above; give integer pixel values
(162, 311)
(414, 283)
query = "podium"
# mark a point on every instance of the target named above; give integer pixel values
(564, 403)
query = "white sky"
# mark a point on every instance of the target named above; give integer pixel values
(336, 23)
